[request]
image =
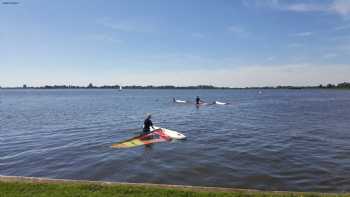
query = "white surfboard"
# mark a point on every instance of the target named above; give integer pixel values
(180, 101)
(220, 103)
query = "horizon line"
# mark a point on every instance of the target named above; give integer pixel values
(117, 86)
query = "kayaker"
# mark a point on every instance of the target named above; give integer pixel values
(174, 100)
(147, 124)
(198, 100)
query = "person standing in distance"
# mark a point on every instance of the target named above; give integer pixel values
(198, 100)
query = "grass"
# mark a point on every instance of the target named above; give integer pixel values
(40, 189)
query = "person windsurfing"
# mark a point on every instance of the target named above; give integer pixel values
(147, 124)
(198, 100)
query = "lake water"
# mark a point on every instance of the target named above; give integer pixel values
(273, 140)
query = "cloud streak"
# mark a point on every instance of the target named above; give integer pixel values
(127, 25)
(103, 38)
(302, 7)
(339, 7)
(294, 45)
(238, 30)
(342, 27)
(303, 34)
(330, 55)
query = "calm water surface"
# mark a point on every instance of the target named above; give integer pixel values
(273, 140)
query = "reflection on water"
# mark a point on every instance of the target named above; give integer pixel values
(273, 140)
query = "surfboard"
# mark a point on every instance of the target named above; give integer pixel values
(180, 101)
(220, 103)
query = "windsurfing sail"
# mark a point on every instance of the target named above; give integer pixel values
(171, 133)
(154, 137)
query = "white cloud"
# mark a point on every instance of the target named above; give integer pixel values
(271, 58)
(330, 55)
(127, 25)
(303, 34)
(295, 45)
(239, 31)
(342, 27)
(302, 7)
(339, 7)
(269, 3)
(103, 38)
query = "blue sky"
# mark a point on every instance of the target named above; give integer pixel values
(235, 43)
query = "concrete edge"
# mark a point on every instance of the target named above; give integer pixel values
(164, 186)
(51, 180)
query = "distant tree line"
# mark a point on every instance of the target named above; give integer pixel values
(340, 85)
(344, 85)
(91, 86)
(174, 87)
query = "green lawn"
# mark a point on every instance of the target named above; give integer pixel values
(91, 189)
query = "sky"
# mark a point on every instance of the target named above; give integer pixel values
(234, 43)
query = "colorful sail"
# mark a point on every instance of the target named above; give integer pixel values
(154, 137)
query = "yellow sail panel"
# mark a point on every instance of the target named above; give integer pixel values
(128, 144)
(153, 137)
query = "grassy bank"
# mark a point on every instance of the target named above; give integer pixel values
(72, 188)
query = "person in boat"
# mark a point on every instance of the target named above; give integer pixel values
(147, 124)
(198, 100)
(174, 100)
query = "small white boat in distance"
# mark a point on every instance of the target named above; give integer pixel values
(220, 103)
(180, 101)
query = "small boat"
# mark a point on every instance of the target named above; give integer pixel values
(180, 101)
(220, 103)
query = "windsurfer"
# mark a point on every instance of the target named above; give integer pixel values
(147, 124)
(198, 100)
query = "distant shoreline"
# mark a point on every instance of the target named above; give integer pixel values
(344, 85)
